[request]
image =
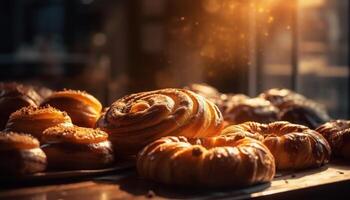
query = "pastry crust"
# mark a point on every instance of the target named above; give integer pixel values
(20, 154)
(34, 120)
(83, 108)
(77, 148)
(138, 119)
(293, 146)
(222, 161)
(337, 133)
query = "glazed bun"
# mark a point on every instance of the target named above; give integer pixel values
(20, 154)
(77, 148)
(222, 161)
(14, 96)
(337, 133)
(34, 120)
(138, 119)
(83, 108)
(293, 146)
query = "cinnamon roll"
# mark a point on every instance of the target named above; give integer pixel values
(222, 161)
(83, 108)
(77, 148)
(34, 120)
(20, 154)
(14, 96)
(138, 119)
(293, 146)
(337, 133)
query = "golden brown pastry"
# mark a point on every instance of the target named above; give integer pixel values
(20, 154)
(34, 120)
(337, 134)
(77, 148)
(293, 146)
(14, 96)
(83, 108)
(280, 96)
(242, 110)
(138, 119)
(222, 161)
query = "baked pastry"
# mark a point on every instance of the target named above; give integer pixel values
(337, 134)
(83, 108)
(34, 120)
(77, 148)
(293, 146)
(296, 108)
(242, 109)
(20, 154)
(222, 161)
(304, 112)
(278, 97)
(14, 96)
(138, 119)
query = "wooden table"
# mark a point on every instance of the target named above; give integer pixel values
(329, 181)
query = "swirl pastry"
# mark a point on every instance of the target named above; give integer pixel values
(34, 120)
(293, 146)
(138, 119)
(337, 134)
(255, 109)
(222, 161)
(77, 148)
(20, 154)
(14, 96)
(83, 108)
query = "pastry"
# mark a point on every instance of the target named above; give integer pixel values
(293, 146)
(14, 96)
(20, 154)
(83, 108)
(138, 119)
(221, 161)
(280, 96)
(34, 120)
(77, 148)
(244, 109)
(337, 134)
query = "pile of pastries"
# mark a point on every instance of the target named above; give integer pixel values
(192, 136)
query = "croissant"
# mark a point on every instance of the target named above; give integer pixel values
(337, 134)
(83, 108)
(293, 146)
(14, 96)
(221, 161)
(77, 148)
(138, 119)
(20, 154)
(242, 109)
(34, 120)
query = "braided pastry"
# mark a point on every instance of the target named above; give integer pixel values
(34, 120)
(337, 134)
(293, 146)
(20, 154)
(138, 119)
(14, 96)
(222, 161)
(83, 108)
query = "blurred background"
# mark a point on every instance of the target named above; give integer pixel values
(114, 47)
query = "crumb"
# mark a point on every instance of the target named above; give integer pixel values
(340, 172)
(150, 194)
(286, 181)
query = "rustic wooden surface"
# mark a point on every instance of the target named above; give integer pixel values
(330, 179)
